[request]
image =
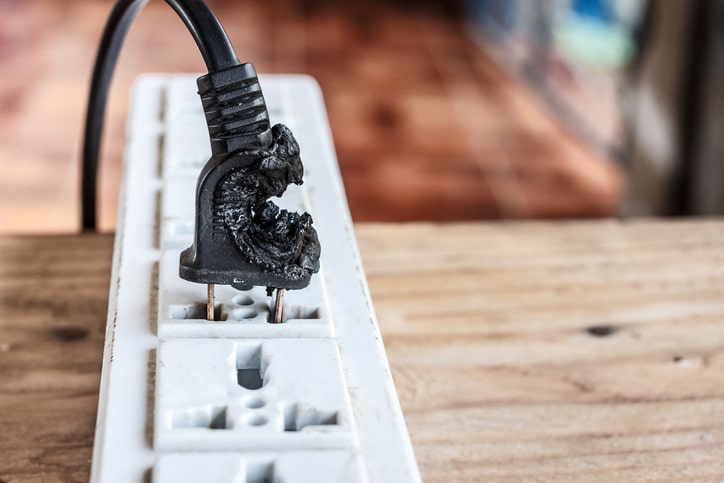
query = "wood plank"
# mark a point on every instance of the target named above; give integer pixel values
(581, 351)
(586, 351)
(53, 299)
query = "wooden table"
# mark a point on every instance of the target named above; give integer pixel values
(581, 351)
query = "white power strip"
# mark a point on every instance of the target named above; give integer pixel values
(238, 400)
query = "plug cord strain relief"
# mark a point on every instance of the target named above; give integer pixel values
(235, 110)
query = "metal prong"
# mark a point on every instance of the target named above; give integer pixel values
(210, 302)
(279, 306)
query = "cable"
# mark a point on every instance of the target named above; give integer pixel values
(208, 33)
(212, 41)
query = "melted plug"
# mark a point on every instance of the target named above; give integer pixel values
(241, 238)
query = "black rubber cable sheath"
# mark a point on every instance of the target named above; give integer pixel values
(212, 41)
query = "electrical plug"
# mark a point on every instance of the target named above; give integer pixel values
(241, 238)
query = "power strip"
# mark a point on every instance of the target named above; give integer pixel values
(239, 399)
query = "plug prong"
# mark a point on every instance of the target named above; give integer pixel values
(279, 306)
(210, 302)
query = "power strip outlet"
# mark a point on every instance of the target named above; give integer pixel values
(239, 399)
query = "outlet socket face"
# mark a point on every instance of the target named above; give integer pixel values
(238, 399)
(250, 395)
(296, 466)
(240, 314)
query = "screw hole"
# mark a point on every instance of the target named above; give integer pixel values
(601, 330)
(70, 333)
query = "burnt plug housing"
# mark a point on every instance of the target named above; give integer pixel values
(241, 238)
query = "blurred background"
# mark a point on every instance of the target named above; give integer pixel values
(441, 110)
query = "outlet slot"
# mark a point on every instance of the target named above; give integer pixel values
(248, 367)
(210, 417)
(296, 312)
(196, 312)
(260, 473)
(249, 378)
(296, 419)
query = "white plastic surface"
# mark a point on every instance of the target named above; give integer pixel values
(250, 394)
(238, 400)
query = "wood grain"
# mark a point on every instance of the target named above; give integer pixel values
(586, 351)
(581, 351)
(53, 299)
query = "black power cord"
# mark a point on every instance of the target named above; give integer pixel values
(240, 237)
(216, 50)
